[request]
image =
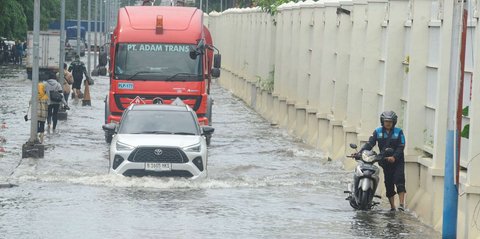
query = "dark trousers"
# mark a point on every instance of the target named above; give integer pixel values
(394, 178)
(52, 114)
(41, 126)
(65, 95)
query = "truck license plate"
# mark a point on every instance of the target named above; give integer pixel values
(158, 166)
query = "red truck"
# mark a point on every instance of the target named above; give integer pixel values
(159, 54)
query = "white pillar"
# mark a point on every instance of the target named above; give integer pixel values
(317, 52)
(415, 120)
(356, 68)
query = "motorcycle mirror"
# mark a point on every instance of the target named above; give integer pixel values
(353, 146)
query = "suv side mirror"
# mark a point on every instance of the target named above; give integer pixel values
(110, 127)
(217, 61)
(207, 130)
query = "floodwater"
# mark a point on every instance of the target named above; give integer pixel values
(262, 183)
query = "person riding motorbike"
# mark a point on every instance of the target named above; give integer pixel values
(389, 136)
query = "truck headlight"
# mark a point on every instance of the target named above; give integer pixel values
(193, 148)
(123, 146)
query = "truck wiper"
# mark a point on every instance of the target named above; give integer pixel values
(182, 74)
(140, 72)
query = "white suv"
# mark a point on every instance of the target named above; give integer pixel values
(159, 140)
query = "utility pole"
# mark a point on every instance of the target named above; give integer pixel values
(455, 95)
(107, 19)
(79, 14)
(62, 113)
(62, 43)
(89, 44)
(95, 29)
(102, 22)
(33, 147)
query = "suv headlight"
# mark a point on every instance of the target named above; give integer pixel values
(123, 146)
(193, 148)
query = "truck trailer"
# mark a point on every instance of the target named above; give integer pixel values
(49, 53)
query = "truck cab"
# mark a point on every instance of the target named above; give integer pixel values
(158, 54)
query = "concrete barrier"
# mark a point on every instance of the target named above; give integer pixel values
(325, 70)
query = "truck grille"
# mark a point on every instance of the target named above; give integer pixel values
(123, 100)
(158, 154)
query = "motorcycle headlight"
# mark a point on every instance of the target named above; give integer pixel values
(193, 148)
(123, 146)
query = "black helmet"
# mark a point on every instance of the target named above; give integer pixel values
(389, 115)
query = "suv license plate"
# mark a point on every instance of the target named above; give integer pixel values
(158, 166)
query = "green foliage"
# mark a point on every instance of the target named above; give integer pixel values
(465, 111)
(466, 131)
(16, 16)
(13, 22)
(270, 6)
(267, 84)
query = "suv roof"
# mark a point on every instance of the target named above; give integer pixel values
(150, 107)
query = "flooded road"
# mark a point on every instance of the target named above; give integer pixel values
(262, 183)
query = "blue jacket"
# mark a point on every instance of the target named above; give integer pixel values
(396, 142)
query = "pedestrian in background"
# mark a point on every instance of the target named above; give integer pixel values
(78, 69)
(55, 98)
(13, 54)
(25, 48)
(42, 110)
(19, 48)
(67, 82)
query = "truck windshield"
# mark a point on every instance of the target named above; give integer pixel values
(148, 61)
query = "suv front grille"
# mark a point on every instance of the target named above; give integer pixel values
(158, 154)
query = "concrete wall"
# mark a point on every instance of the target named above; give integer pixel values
(325, 70)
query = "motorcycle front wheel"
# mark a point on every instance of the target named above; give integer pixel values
(364, 199)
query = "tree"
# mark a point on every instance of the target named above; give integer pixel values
(13, 22)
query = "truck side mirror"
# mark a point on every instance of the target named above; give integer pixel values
(110, 128)
(193, 54)
(207, 130)
(217, 61)
(215, 72)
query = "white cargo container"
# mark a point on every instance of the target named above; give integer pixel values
(49, 53)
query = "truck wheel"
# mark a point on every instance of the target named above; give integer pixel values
(209, 110)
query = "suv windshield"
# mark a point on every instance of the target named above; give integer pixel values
(148, 61)
(159, 122)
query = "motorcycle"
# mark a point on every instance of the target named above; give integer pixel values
(365, 178)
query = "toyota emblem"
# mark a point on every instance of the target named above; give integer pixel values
(158, 152)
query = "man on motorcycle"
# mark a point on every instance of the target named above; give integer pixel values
(388, 136)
